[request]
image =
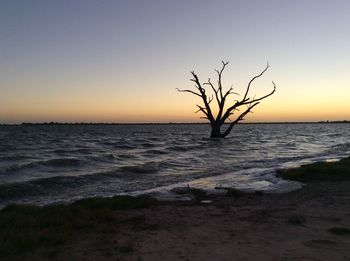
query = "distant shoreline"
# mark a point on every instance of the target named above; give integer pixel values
(160, 123)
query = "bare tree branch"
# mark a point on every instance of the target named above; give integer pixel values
(255, 77)
(221, 98)
(239, 118)
(201, 109)
(220, 76)
(263, 97)
(203, 96)
(230, 91)
(247, 101)
(214, 90)
(189, 92)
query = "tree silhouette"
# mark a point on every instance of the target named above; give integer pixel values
(221, 97)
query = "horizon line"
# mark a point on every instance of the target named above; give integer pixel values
(162, 123)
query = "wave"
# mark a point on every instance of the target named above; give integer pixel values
(49, 185)
(156, 152)
(62, 162)
(37, 187)
(146, 168)
(147, 145)
(107, 158)
(7, 147)
(73, 151)
(123, 146)
(183, 148)
(340, 147)
(16, 190)
(54, 163)
(15, 158)
(179, 148)
(45, 186)
(127, 156)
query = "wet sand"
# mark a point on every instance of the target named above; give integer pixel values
(291, 226)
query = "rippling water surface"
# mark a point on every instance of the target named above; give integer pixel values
(52, 164)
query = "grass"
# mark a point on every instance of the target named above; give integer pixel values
(319, 171)
(340, 231)
(127, 248)
(25, 228)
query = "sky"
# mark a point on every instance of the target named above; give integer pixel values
(121, 61)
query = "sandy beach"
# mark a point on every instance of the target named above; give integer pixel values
(308, 224)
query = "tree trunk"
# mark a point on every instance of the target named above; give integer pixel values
(215, 131)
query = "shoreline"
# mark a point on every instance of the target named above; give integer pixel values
(312, 223)
(289, 226)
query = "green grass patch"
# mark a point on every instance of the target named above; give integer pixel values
(127, 248)
(340, 231)
(25, 228)
(319, 171)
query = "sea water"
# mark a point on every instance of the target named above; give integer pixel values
(49, 164)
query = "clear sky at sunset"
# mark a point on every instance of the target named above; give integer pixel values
(121, 61)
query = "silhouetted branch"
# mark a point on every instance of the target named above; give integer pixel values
(214, 90)
(255, 77)
(230, 91)
(263, 97)
(248, 101)
(221, 98)
(203, 95)
(189, 92)
(220, 76)
(201, 109)
(239, 118)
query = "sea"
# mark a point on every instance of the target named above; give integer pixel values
(58, 164)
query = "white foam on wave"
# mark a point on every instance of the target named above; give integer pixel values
(241, 180)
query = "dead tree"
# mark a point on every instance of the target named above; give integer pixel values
(221, 97)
